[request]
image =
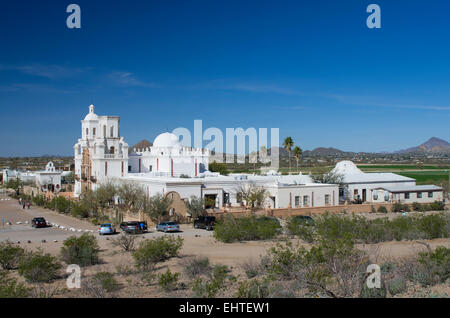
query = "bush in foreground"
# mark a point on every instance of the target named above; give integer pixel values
(10, 288)
(157, 250)
(197, 266)
(251, 228)
(38, 267)
(81, 250)
(10, 255)
(168, 281)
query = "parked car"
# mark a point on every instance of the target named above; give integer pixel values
(268, 218)
(168, 227)
(303, 219)
(106, 228)
(39, 222)
(205, 222)
(133, 227)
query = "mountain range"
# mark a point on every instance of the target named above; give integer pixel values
(432, 146)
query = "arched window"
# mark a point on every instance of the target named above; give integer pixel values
(112, 131)
(104, 131)
(87, 132)
(93, 132)
(111, 150)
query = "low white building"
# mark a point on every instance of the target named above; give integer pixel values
(372, 187)
(49, 180)
(283, 191)
(408, 194)
(24, 176)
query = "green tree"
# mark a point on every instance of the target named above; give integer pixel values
(132, 196)
(195, 206)
(15, 184)
(288, 144)
(157, 207)
(218, 167)
(70, 178)
(253, 195)
(297, 153)
(89, 202)
(105, 194)
(329, 177)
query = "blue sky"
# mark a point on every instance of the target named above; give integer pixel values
(311, 68)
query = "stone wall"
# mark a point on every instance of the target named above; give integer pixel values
(285, 213)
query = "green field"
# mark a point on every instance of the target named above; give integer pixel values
(428, 177)
(401, 167)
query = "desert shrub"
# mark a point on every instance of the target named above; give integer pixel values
(38, 267)
(209, 288)
(79, 211)
(125, 242)
(382, 209)
(434, 226)
(336, 227)
(397, 285)
(251, 228)
(81, 250)
(197, 266)
(10, 288)
(367, 292)
(404, 228)
(333, 268)
(251, 268)
(107, 281)
(10, 255)
(39, 200)
(168, 281)
(437, 263)
(99, 285)
(387, 267)
(253, 289)
(44, 291)
(157, 250)
(437, 206)
(418, 207)
(124, 270)
(283, 261)
(398, 207)
(300, 229)
(60, 204)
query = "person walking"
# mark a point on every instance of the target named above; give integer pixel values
(28, 205)
(23, 205)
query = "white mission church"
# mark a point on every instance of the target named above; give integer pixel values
(101, 154)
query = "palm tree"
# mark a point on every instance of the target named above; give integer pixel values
(297, 153)
(288, 144)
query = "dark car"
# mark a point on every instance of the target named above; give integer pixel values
(131, 227)
(205, 222)
(303, 219)
(39, 222)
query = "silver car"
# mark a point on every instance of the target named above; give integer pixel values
(168, 227)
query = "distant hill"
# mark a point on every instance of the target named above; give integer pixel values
(433, 145)
(321, 151)
(140, 145)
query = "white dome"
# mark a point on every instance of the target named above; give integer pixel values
(91, 115)
(346, 167)
(166, 140)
